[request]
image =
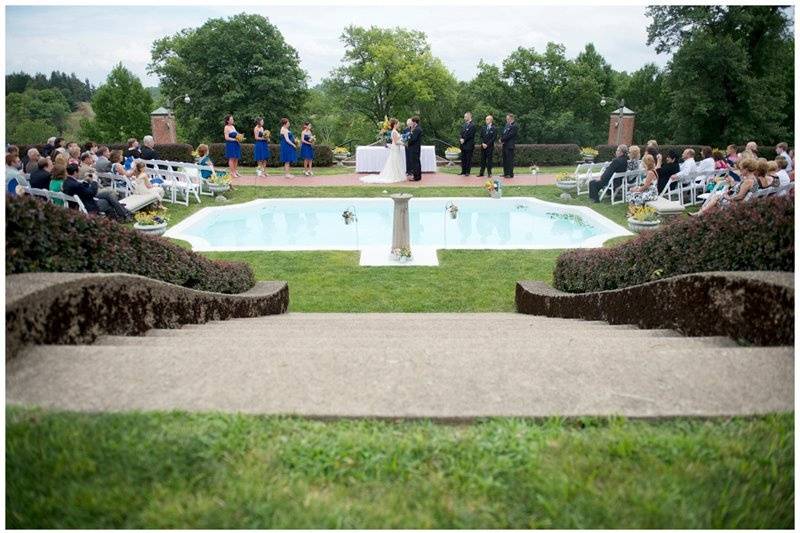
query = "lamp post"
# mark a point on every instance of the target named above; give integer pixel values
(621, 104)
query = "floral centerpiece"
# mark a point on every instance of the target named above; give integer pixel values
(642, 218)
(402, 254)
(494, 187)
(452, 153)
(340, 153)
(152, 222)
(588, 153)
(385, 132)
(219, 182)
(566, 181)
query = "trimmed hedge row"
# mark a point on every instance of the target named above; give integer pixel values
(755, 235)
(41, 237)
(171, 152)
(323, 155)
(534, 154)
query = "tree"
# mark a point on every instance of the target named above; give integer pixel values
(33, 113)
(240, 65)
(122, 108)
(391, 72)
(644, 91)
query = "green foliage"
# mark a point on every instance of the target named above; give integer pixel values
(122, 109)
(74, 90)
(35, 112)
(227, 471)
(42, 237)
(240, 65)
(391, 72)
(756, 235)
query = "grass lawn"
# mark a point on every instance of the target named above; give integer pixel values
(465, 280)
(177, 470)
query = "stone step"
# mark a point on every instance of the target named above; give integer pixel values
(412, 380)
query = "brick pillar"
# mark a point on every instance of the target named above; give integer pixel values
(628, 121)
(162, 123)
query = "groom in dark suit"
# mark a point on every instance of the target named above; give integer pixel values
(414, 148)
(406, 133)
(467, 141)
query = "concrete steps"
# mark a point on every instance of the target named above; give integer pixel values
(444, 366)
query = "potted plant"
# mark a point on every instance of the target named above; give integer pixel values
(566, 181)
(340, 153)
(494, 187)
(452, 153)
(402, 255)
(588, 154)
(642, 218)
(152, 222)
(219, 182)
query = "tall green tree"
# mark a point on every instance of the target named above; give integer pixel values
(240, 65)
(34, 115)
(391, 72)
(122, 108)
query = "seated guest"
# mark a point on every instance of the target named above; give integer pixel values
(13, 175)
(738, 191)
(667, 169)
(782, 151)
(148, 152)
(59, 174)
(90, 146)
(707, 164)
(133, 149)
(32, 163)
(618, 164)
(750, 149)
(649, 189)
(763, 177)
(782, 174)
(634, 158)
(60, 157)
(719, 160)
(116, 164)
(74, 152)
(87, 191)
(205, 160)
(49, 147)
(141, 183)
(40, 178)
(688, 167)
(86, 166)
(102, 163)
(653, 151)
(731, 157)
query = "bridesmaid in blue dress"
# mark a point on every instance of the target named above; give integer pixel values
(288, 150)
(261, 152)
(233, 150)
(307, 148)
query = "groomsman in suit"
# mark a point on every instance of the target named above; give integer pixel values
(488, 137)
(414, 148)
(467, 142)
(509, 139)
(406, 133)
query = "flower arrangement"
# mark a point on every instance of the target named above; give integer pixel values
(564, 176)
(452, 150)
(494, 187)
(152, 217)
(384, 134)
(588, 151)
(534, 169)
(341, 150)
(240, 137)
(642, 213)
(402, 253)
(266, 135)
(349, 217)
(220, 179)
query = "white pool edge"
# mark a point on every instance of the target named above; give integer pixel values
(199, 244)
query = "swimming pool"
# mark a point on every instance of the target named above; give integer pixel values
(317, 224)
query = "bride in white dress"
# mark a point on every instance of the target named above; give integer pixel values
(394, 169)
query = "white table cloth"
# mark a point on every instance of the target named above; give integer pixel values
(372, 158)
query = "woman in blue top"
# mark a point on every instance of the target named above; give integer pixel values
(288, 150)
(261, 151)
(307, 148)
(233, 150)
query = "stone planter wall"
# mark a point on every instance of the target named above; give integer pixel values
(754, 307)
(76, 308)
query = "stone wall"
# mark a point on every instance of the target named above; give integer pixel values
(65, 308)
(753, 307)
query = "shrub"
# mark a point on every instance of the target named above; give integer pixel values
(41, 237)
(755, 235)
(323, 155)
(534, 154)
(606, 151)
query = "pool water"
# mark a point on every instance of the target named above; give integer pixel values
(317, 224)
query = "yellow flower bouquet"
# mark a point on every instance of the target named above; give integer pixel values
(240, 137)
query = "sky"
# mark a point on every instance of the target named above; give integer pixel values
(93, 39)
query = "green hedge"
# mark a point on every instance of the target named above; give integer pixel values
(756, 235)
(534, 154)
(42, 237)
(323, 155)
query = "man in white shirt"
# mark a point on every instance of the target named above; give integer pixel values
(783, 175)
(707, 164)
(688, 167)
(783, 153)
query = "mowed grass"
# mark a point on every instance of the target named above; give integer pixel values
(464, 281)
(177, 470)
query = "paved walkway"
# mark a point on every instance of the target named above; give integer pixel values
(437, 179)
(442, 366)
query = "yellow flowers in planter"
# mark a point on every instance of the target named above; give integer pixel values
(152, 217)
(452, 150)
(642, 213)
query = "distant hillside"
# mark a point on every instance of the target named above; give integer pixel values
(155, 93)
(73, 123)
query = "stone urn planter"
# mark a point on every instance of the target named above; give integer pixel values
(643, 225)
(151, 229)
(567, 185)
(451, 157)
(340, 158)
(216, 189)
